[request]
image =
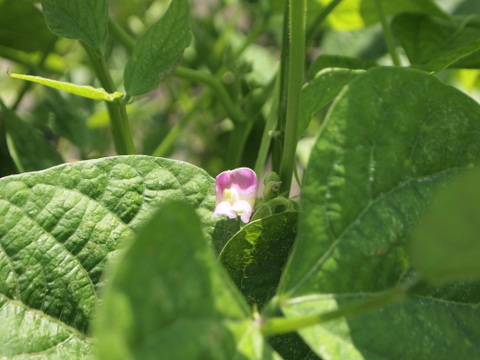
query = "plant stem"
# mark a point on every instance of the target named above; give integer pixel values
(296, 65)
(217, 87)
(315, 27)
(277, 148)
(270, 127)
(387, 32)
(275, 326)
(121, 35)
(122, 135)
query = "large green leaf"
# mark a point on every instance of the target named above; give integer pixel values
(355, 14)
(169, 298)
(28, 148)
(255, 257)
(158, 52)
(392, 138)
(60, 227)
(433, 44)
(446, 243)
(85, 20)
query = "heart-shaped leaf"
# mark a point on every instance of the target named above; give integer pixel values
(85, 20)
(393, 137)
(158, 52)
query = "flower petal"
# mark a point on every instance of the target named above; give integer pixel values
(225, 208)
(244, 209)
(243, 180)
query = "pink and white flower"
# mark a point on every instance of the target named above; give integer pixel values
(236, 192)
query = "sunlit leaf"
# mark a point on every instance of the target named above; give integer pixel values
(60, 227)
(393, 138)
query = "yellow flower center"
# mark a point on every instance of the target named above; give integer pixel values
(231, 195)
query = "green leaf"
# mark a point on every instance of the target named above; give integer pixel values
(355, 14)
(22, 26)
(433, 44)
(27, 147)
(168, 295)
(81, 90)
(61, 226)
(446, 243)
(255, 257)
(84, 20)
(159, 51)
(393, 137)
(320, 91)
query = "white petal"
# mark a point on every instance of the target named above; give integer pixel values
(244, 209)
(224, 208)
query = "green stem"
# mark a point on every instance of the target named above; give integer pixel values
(270, 127)
(217, 87)
(277, 148)
(167, 143)
(121, 132)
(317, 22)
(296, 65)
(121, 35)
(389, 39)
(275, 326)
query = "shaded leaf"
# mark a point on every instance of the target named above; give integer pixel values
(446, 243)
(433, 44)
(393, 137)
(169, 296)
(84, 20)
(29, 150)
(60, 227)
(158, 52)
(19, 20)
(255, 257)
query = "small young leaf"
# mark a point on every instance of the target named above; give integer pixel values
(84, 20)
(27, 147)
(391, 139)
(446, 243)
(169, 296)
(433, 44)
(81, 90)
(256, 255)
(158, 52)
(61, 226)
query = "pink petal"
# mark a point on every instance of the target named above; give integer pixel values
(244, 180)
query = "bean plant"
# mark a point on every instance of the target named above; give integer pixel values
(240, 179)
